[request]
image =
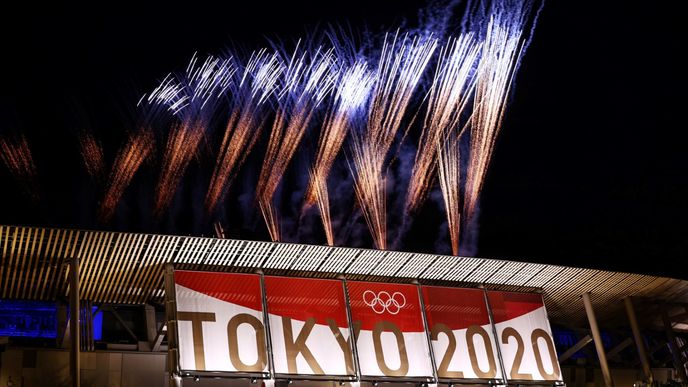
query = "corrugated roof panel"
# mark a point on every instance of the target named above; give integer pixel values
(391, 264)
(463, 268)
(312, 257)
(415, 266)
(504, 273)
(282, 256)
(127, 268)
(544, 276)
(438, 268)
(525, 274)
(484, 271)
(339, 259)
(365, 262)
(253, 254)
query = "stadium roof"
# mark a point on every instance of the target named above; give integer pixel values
(126, 268)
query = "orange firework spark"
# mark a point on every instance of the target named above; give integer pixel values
(500, 54)
(351, 94)
(449, 168)
(182, 143)
(92, 154)
(16, 155)
(399, 70)
(451, 88)
(308, 85)
(137, 149)
(244, 125)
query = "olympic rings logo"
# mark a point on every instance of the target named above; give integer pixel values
(384, 302)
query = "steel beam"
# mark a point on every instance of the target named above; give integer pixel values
(576, 347)
(673, 347)
(171, 318)
(598, 340)
(638, 338)
(74, 328)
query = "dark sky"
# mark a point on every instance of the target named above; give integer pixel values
(590, 168)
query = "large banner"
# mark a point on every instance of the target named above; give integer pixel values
(310, 330)
(389, 328)
(525, 336)
(461, 333)
(220, 322)
(309, 326)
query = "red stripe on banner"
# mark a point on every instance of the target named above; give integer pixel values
(304, 298)
(239, 289)
(372, 302)
(508, 305)
(455, 307)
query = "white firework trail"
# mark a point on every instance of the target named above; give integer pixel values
(399, 70)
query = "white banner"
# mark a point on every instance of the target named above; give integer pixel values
(525, 336)
(220, 322)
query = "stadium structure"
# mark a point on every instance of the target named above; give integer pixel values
(607, 328)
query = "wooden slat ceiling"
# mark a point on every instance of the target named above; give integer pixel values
(126, 268)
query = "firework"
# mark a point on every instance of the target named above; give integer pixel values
(135, 151)
(449, 94)
(245, 122)
(449, 172)
(16, 155)
(352, 92)
(92, 154)
(499, 56)
(400, 68)
(306, 85)
(192, 97)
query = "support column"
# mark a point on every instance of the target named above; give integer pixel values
(638, 338)
(675, 351)
(151, 326)
(171, 317)
(74, 325)
(597, 338)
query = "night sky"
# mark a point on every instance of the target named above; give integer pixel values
(590, 168)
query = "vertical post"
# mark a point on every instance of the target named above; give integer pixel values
(74, 326)
(675, 351)
(171, 317)
(352, 337)
(638, 338)
(435, 376)
(597, 338)
(266, 323)
(151, 325)
(498, 345)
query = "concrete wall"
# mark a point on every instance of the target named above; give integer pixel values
(41, 368)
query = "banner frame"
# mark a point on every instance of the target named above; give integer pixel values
(469, 381)
(393, 379)
(506, 380)
(266, 326)
(431, 350)
(311, 377)
(208, 373)
(353, 338)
